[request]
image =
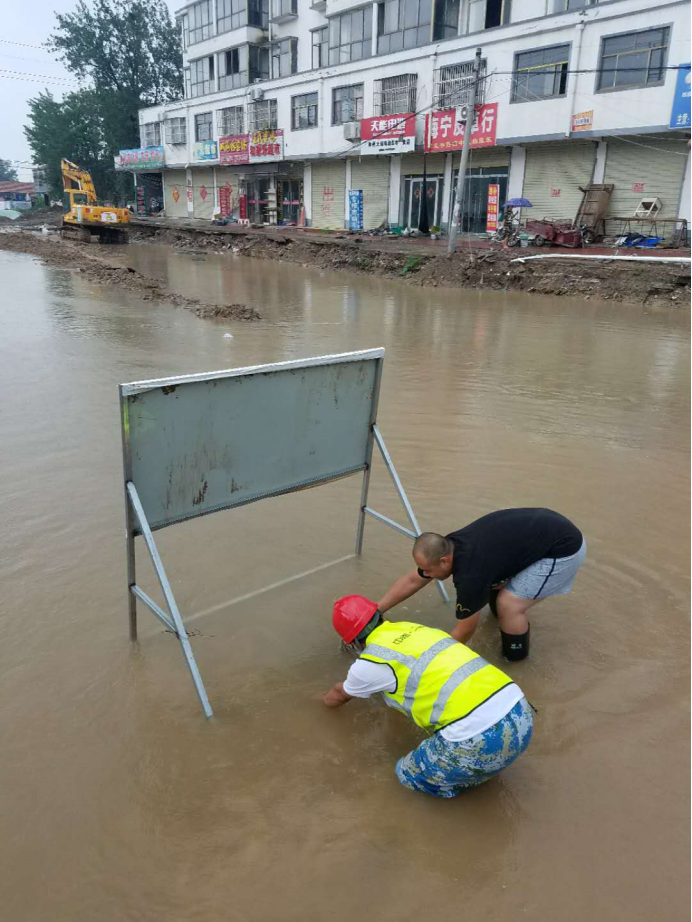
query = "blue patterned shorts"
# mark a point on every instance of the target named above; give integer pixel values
(444, 769)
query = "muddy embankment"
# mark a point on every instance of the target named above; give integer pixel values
(475, 268)
(92, 263)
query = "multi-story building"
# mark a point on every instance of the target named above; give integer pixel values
(291, 105)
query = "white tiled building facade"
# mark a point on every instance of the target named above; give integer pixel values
(580, 91)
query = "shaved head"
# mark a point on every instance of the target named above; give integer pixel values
(431, 547)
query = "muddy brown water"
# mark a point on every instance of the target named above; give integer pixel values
(119, 802)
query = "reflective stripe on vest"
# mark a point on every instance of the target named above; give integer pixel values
(438, 680)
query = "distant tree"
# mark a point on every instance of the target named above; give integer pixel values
(129, 53)
(7, 171)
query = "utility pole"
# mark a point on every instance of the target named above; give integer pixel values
(461, 181)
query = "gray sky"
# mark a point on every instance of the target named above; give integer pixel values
(26, 69)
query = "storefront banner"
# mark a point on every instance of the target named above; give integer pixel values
(582, 121)
(680, 116)
(491, 222)
(258, 147)
(441, 133)
(205, 150)
(393, 134)
(142, 158)
(355, 209)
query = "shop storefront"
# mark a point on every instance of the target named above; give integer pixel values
(485, 168)
(639, 172)
(370, 175)
(175, 194)
(328, 191)
(552, 177)
(422, 178)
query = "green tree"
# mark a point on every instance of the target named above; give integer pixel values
(7, 171)
(129, 53)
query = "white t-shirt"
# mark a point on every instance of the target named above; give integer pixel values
(366, 678)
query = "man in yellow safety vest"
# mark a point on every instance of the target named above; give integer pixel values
(479, 720)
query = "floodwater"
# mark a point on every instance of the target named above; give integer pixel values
(120, 802)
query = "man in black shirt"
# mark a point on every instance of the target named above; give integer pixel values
(512, 559)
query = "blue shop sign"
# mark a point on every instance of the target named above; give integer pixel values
(680, 116)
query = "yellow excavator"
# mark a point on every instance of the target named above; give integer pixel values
(83, 216)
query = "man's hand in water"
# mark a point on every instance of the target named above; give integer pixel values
(336, 696)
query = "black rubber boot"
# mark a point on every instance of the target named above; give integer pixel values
(492, 601)
(515, 646)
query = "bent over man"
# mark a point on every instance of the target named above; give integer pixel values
(479, 719)
(512, 559)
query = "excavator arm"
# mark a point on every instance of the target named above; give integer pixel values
(76, 180)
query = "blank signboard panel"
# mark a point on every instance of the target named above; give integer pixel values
(202, 443)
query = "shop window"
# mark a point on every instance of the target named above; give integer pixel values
(403, 24)
(350, 36)
(446, 23)
(634, 59)
(262, 115)
(176, 131)
(202, 76)
(347, 104)
(304, 111)
(151, 134)
(487, 14)
(320, 47)
(231, 121)
(540, 74)
(395, 95)
(452, 85)
(198, 24)
(204, 127)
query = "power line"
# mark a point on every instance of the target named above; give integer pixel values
(6, 41)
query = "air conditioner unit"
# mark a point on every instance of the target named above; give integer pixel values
(352, 131)
(648, 208)
(256, 93)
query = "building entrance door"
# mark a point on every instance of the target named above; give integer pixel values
(413, 191)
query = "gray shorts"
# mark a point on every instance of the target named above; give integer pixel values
(549, 576)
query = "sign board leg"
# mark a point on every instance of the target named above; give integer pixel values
(131, 574)
(168, 595)
(402, 495)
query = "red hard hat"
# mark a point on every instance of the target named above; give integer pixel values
(351, 614)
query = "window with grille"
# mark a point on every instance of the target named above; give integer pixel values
(261, 115)
(231, 121)
(540, 74)
(199, 23)
(204, 127)
(403, 24)
(285, 57)
(347, 104)
(176, 131)
(634, 59)
(202, 76)
(151, 134)
(452, 85)
(446, 24)
(304, 111)
(350, 36)
(320, 47)
(395, 95)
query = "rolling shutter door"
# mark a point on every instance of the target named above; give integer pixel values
(203, 194)
(175, 194)
(371, 174)
(562, 166)
(328, 190)
(660, 172)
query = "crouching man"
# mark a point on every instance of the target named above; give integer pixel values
(479, 720)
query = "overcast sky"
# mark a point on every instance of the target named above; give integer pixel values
(26, 69)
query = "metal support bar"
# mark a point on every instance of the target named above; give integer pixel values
(402, 495)
(150, 603)
(168, 595)
(390, 522)
(368, 458)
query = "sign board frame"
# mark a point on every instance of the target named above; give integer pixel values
(159, 442)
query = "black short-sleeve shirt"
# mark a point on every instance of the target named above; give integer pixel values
(502, 544)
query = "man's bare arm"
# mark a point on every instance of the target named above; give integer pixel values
(336, 696)
(403, 589)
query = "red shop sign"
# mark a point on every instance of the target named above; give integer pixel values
(443, 134)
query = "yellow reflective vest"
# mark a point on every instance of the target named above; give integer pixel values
(438, 680)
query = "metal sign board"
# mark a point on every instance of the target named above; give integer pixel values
(196, 444)
(680, 114)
